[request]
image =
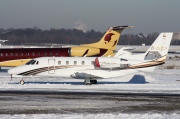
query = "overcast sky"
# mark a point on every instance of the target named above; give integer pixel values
(146, 15)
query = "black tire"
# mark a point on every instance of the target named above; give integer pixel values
(93, 81)
(88, 83)
(21, 82)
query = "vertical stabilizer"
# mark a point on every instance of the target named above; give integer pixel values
(110, 38)
(160, 47)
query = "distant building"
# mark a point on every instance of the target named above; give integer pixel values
(141, 35)
(176, 39)
(176, 36)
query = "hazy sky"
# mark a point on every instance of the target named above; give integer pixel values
(146, 15)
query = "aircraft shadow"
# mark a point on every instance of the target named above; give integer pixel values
(4, 70)
(136, 79)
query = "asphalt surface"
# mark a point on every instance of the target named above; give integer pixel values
(44, 102)
(46, 92)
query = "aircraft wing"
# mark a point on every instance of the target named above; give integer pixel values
(84, 75)
(101, 74)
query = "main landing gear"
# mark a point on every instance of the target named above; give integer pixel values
(93, 81)
(90, 81)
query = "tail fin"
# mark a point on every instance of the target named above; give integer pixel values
(110, 38)
(159, 49)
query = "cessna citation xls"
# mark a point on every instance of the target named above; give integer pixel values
(105, 47)
(92, 68)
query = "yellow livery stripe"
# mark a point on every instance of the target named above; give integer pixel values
(14, 63)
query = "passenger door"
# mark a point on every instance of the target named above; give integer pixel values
(51, 66)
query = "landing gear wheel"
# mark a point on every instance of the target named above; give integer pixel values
(21, 82)
(93, 81)
(88, 83)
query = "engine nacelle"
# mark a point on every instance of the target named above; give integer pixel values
(83, 51)
(110, 63)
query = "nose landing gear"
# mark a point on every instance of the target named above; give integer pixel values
(20, 82)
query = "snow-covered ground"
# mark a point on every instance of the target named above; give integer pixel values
(160, 81)
(165, 79)
(93, 116)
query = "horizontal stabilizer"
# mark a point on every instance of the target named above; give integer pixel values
(120, 27)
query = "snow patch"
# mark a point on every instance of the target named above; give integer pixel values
(93, 116)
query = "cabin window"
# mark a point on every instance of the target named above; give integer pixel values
(83, 62)
(27, 54)
(45, 53)
(75, 62)
(1, 54)
(56, 53)
(16, 54)
(21, 54)
(11, 54)
(33, 53)
(50, 53)
(92, 62)
(59, 62)
(38, 53)
(67, 62)
(6, 54)
(37, 62)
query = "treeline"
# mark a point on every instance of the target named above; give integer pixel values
(65, 36)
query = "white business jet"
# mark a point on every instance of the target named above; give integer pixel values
(92, 68)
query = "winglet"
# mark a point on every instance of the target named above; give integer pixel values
(124, 52)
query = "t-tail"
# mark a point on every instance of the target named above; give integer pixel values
(110, 38)
(105, 47)
(146, 62)
(156, 54)
(159, 49)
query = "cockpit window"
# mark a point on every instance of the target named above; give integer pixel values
(123, 59)
(32, 62)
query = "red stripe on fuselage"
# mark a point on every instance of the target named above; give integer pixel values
(29, 53)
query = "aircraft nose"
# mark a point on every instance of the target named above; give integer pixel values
(12, 71)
